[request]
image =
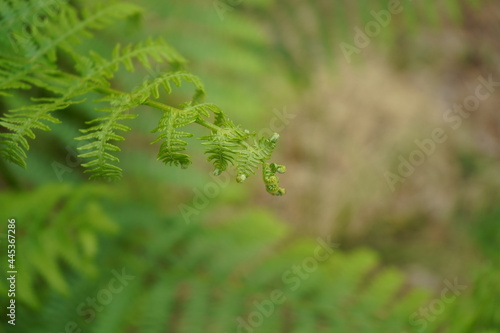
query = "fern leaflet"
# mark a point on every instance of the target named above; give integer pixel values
(21, 122)
(173, 145)
(99, 148)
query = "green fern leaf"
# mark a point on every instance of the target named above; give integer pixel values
(95, 70)
(21, 122)
(173, 145)
(249, 158)
(38, 45)
(98, 150)
(222, 149)
(150, 88)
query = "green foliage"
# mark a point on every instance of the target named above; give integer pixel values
(190, 278)
(46, 239)
(479, 310)
(187, 278)
(101, 134)
(22, 122)
(172, 119)
(37, 42)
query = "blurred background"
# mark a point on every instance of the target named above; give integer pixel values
(357, 91)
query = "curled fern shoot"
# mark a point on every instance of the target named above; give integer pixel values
(271, 181)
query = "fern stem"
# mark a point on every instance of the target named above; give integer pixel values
(208, 125)
(158, 105)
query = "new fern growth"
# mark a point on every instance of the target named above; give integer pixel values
(33, 37)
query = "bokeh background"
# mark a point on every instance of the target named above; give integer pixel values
(344, 124)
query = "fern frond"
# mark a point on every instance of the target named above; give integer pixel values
(203, 109)
(52, 245)
(173, 145)
(228, 145)
(38, 42)
(249, 158)
(224, 141)
(16, 14)
(150, 88)
(54, 30)
(74, 26)
(21, 122)
(222, 150)
(98, 150)
(95, 70)
(265, 147)
(172, 119)
(13, 75)
(247, 161)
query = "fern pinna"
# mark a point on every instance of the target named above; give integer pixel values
(32, 38)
